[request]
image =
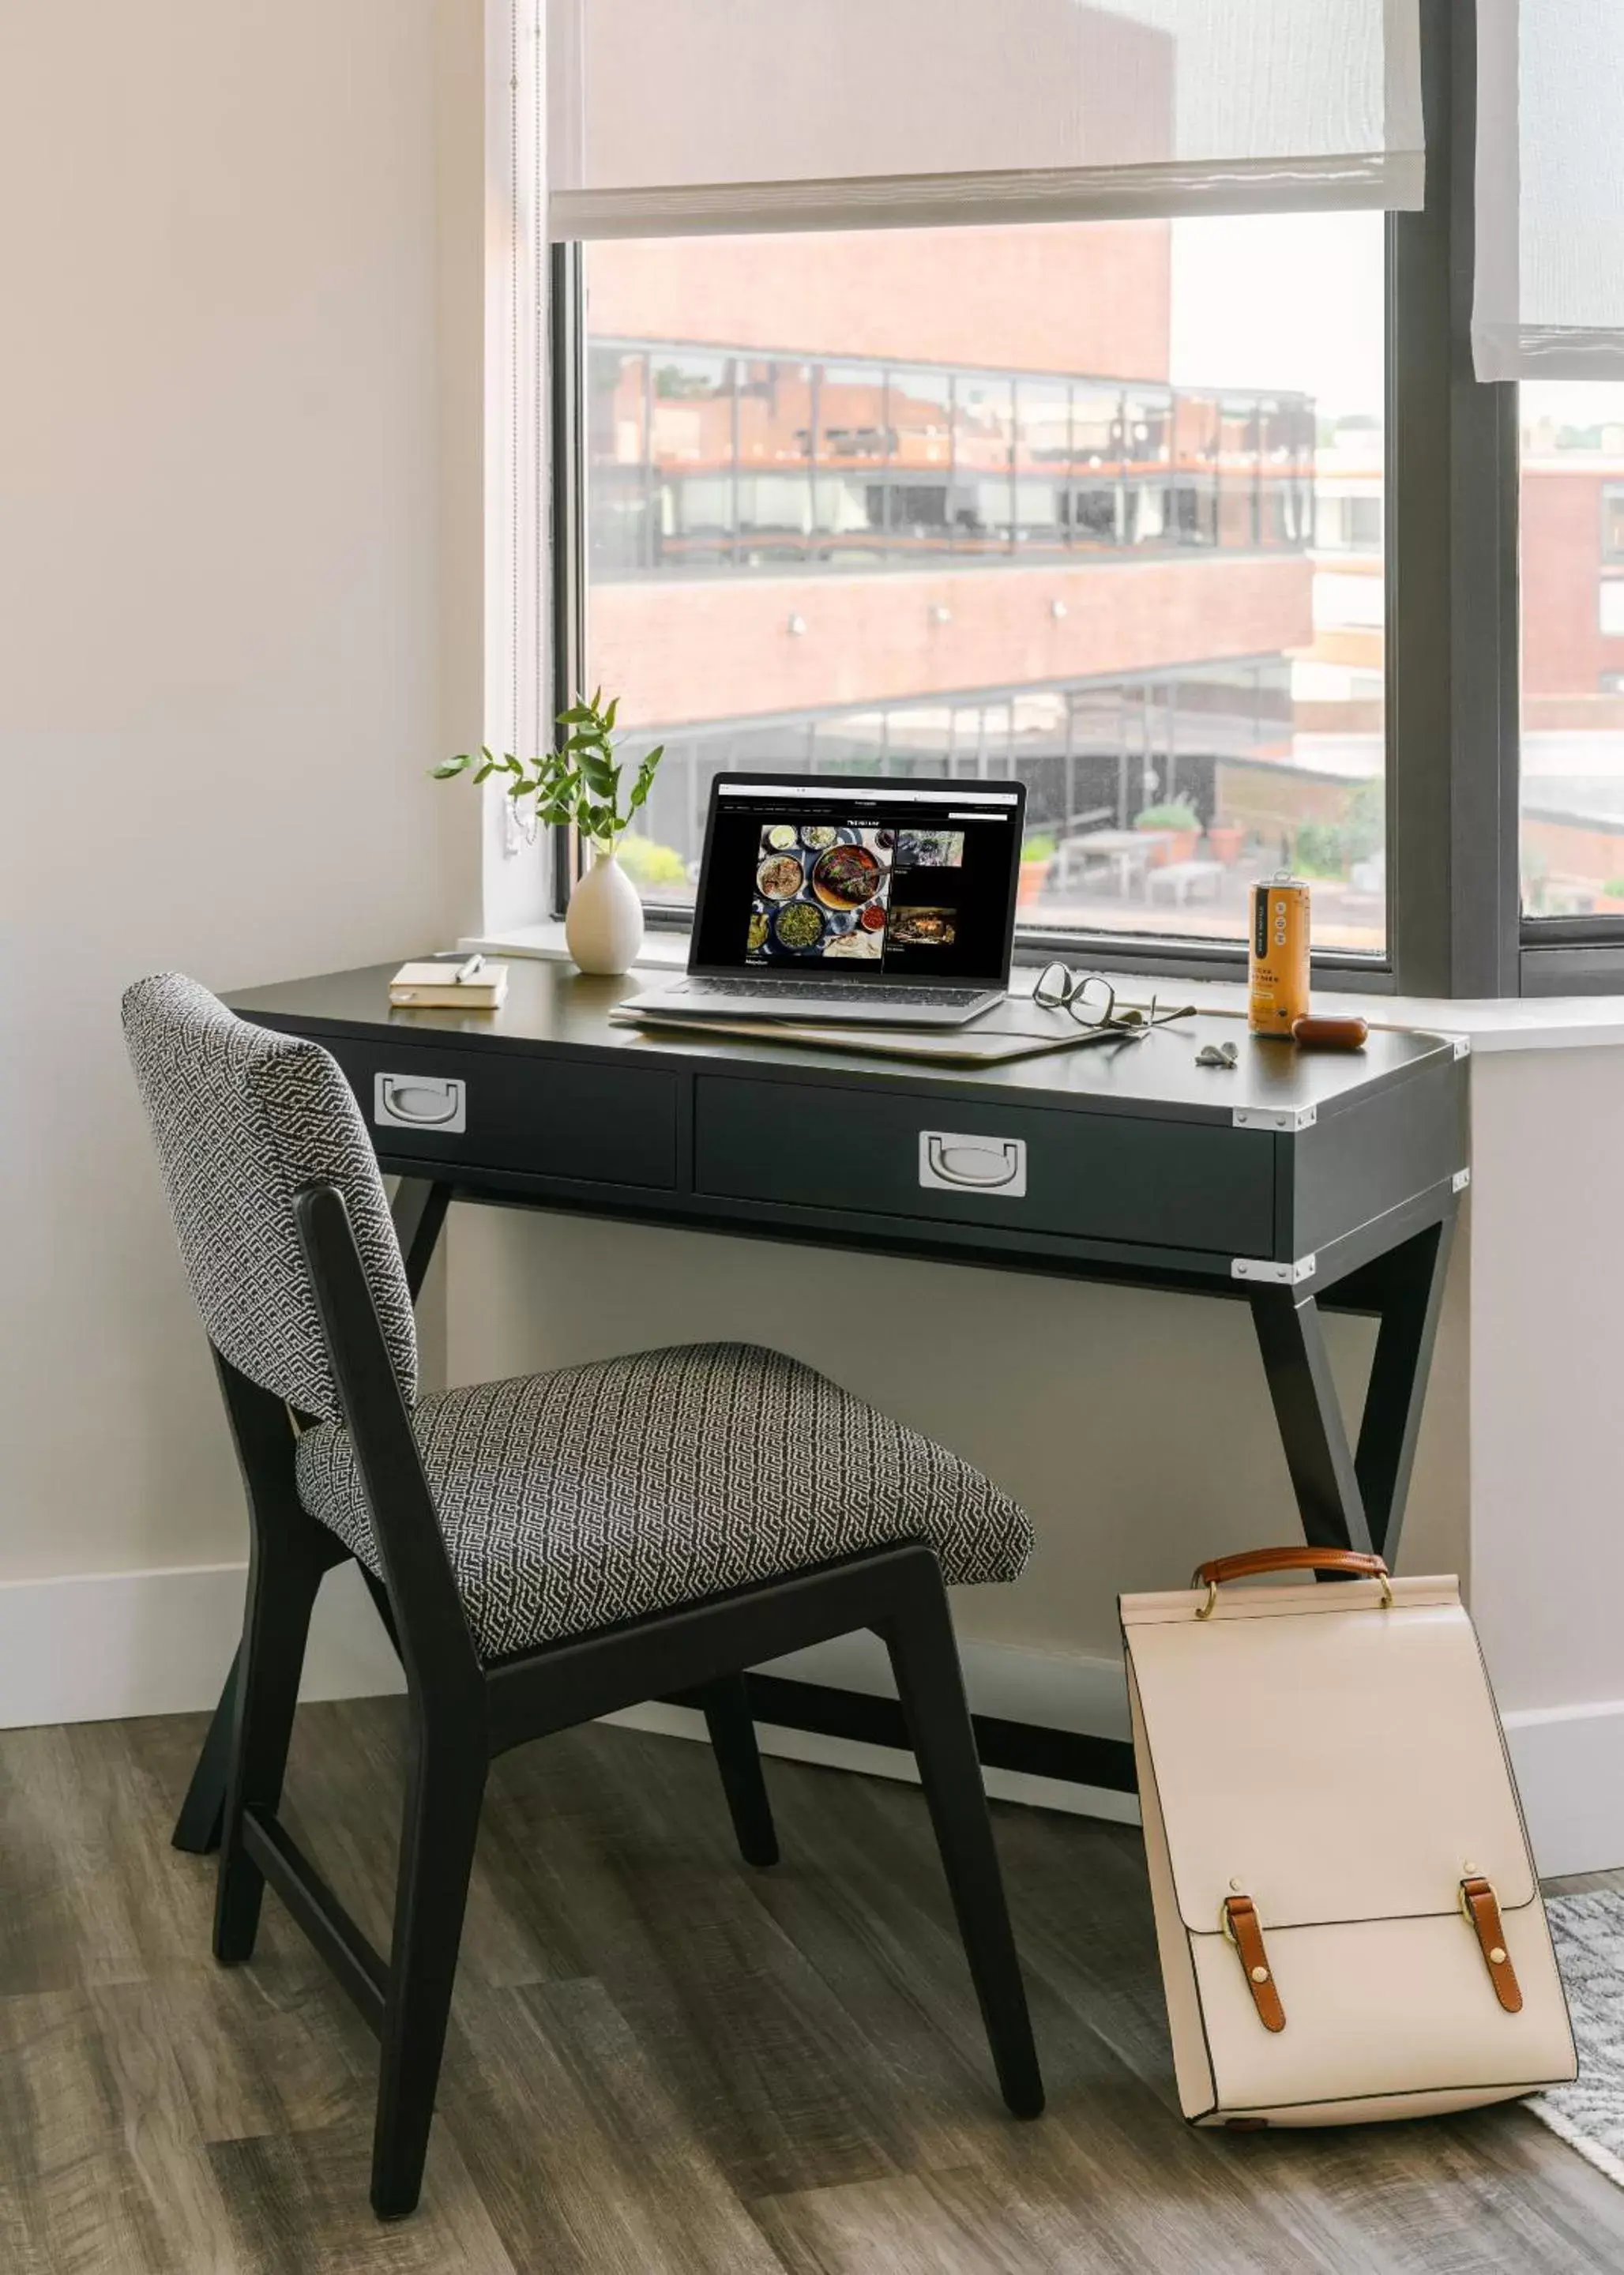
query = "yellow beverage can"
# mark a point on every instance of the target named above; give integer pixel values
(1277, 967)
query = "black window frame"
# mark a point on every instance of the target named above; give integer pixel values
(1455, 921)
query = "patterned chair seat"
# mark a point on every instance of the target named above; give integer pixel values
(604, 1493)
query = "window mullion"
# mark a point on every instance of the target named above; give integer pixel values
(1452, 577)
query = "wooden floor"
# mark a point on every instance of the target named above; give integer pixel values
(661, 2062)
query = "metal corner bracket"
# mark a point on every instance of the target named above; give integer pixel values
(1460, 1181)
(1462, 1045)
(1276, 1275)
(1289, 1118)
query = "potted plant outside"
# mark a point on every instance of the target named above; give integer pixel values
(1180, 827)
(1037, 861)
(1224, 841)
(582, 785)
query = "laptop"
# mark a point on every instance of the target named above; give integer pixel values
(856, 898)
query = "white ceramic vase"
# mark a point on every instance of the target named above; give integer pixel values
(603, 925)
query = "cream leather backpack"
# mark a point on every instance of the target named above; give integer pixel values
(1350, 1923)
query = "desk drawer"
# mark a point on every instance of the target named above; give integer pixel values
(551, 1118)
(1094, 1176)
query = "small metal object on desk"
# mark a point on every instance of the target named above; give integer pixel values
(468, 967)
(1219, 1055)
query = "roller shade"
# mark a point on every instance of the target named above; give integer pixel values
(1548, 301)
(680, 117)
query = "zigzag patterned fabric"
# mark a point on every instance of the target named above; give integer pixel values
(242, 1119)
(572, 1500)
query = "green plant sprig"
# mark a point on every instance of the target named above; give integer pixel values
(581, 784)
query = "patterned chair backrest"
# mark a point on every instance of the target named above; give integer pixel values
(243, 1119)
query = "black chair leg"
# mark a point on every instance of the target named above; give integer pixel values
(726, 1706)
(202, 1813)
(931, 1683)
(289, 1560)
(436, 1861)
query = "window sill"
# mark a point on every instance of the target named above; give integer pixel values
(1537, 1023)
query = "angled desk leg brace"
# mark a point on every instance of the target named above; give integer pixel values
(419, 1212)
(1411, 1282)
(1350, 1499)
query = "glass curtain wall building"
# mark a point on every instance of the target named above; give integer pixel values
(703, 462)
(1099, 506)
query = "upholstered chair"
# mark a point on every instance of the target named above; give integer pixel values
(543, 1550)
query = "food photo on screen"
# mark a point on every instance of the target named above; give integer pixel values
(924, 927)
(821, 891)
(930, 849)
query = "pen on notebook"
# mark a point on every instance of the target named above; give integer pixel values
(468, 971)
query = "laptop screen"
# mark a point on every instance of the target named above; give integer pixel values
(859, 878)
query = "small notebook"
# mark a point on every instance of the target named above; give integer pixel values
(436, 987)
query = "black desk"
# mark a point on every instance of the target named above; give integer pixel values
(1298, 1184)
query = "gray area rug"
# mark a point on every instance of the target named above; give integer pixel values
(1589, 1934)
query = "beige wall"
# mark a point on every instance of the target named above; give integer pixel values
(240, 561)
(1135, 1426)
(240, 603)
(1548, 1415)
(240, 612)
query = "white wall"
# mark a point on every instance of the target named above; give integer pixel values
(241, 600)
(239, 608)
(1135, 1427)
(1547, 1422)
(1547, 1434)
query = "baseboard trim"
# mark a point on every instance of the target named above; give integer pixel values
(108, 1646)
(1052, 1727)
(1569, 1762)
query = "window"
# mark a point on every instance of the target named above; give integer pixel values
(1571, 570)
(1107, 504)
(1097, 505)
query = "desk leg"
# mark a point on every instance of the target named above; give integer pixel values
(1356, 1499)
(419, 1212)
(1324, 1475)
(419, 1209)
(1411, 1288)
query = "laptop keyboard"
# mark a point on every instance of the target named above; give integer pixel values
(831, 991)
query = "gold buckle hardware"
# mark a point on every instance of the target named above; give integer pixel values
(1465, 1908)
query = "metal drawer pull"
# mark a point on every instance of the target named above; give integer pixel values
(949, 1161)
(973, 1165)
(416, 1101)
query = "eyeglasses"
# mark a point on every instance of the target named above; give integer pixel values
(1091, 999)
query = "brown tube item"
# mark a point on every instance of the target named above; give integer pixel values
(1322, 1031)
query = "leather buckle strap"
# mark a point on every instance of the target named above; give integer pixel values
(1481, 1908)
(1239, 1919)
